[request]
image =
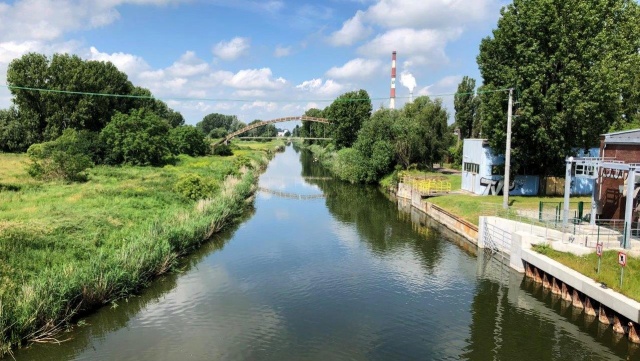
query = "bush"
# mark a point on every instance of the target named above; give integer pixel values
(194, 187)
(139, 138)
(222, 150)
(65, 158)
(188, 140)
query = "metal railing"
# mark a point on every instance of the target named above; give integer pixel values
(427, 185)
(610, 232)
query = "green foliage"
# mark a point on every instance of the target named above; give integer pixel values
(43, 116)
(228, 123)
(65, 158)
(218, 133)
(139, 138)
(17, 131)
(222, 150)
(574, 66)
(186, 139)
(431, 128)
(350, 165)
(466, 104)
(347, 114)
(194, 187)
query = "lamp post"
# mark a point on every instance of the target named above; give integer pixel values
(507, 156)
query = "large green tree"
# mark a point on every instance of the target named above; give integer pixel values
(573, 66)
(55, 111)
(431, 127)
(347, 114)
(217, 121)
(466, 104)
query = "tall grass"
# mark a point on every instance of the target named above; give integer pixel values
(69, 248)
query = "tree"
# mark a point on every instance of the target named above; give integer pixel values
(139, 138)
(54, 111)
(17, 130)
(189, 140)
(466, 105)
(431, 128)
(216, 120)
(573, 65)
(347, 114)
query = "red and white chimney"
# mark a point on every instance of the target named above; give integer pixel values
(392, 101)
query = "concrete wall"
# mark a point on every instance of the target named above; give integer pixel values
(467, 230)
(475, 151)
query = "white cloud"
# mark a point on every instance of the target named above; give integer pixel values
(232, 49)
(255, 79)
(421, 46)
(49, 20)
(128, 63)
(446, 85)
(282, 51)
(188, 65)
(268, 106)
(352, 30)
(356, 68)
(253, 93)
(432, 14)
(310, 84)
(316, 86)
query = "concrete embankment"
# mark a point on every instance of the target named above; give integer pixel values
(514, 240)
(447, 219)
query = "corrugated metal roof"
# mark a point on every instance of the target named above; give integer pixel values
(623, 137)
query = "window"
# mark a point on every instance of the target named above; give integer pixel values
(472, 167)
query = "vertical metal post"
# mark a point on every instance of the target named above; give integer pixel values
(567, 192)
(507, 156)
(628, 211)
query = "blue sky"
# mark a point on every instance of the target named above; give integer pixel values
(258, 59)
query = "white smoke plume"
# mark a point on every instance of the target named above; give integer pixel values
(407, 80)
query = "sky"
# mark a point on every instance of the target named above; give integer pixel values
(259, 59)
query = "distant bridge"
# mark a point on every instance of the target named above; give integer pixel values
(278, 120)
(291, 195)
(288, 138)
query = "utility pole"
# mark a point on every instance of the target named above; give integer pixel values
(507, 154)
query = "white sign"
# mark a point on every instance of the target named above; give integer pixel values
(622, 259)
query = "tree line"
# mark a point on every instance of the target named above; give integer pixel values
(575, 70)
(67, 117)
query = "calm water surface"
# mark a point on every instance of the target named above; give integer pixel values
(323, 270)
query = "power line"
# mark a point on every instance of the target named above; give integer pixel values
(151, 97)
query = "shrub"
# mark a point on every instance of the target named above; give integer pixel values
(222, 150)
(194, 187)
(188, 140)
(138, 138)
(65, 158)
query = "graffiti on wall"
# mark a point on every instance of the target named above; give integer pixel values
(494, 187)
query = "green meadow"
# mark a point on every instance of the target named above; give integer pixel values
(69, 248)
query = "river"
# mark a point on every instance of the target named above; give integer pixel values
(324, 270)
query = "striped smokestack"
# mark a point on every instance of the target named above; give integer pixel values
(392, 101)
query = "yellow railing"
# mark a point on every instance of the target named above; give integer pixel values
(428, 186)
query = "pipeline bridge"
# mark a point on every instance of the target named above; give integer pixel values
(249, 127)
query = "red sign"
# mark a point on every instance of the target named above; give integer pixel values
(622, 259)
(599, 249)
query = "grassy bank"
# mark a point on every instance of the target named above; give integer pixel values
(609, 269)
(68, 248)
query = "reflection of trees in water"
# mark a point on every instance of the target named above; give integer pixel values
(376, 219)
(113, 317)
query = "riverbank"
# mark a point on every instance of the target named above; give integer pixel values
(69, 248)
